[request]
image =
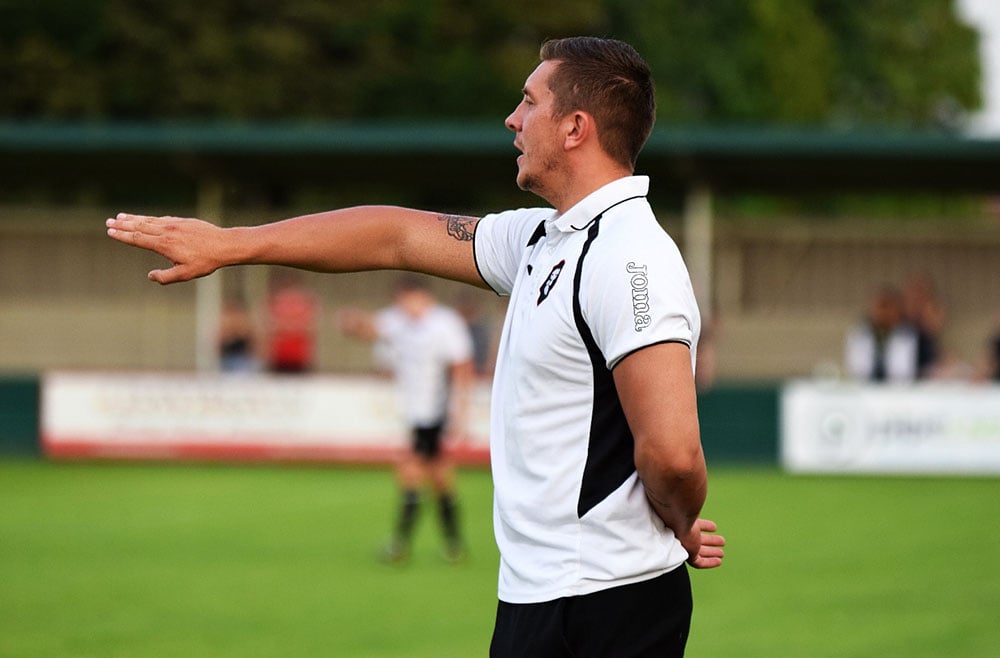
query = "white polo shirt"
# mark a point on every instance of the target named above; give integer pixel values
(587, 288)
(420, 353)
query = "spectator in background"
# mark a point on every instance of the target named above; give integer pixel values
(428, 349)
(292, 313)
(883, 347)
(923, 311)
(989, 365)
(237, 338)
(993, 368)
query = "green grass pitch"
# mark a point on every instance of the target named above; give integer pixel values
(213, 560)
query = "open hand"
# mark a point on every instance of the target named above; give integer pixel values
(194, 247)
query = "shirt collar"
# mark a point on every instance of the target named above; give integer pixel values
(586, 210)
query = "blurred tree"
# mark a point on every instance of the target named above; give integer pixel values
(905, 61)
(811, 61)
(908, 62)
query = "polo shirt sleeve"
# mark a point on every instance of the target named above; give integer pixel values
(637, 297)
(500, 241)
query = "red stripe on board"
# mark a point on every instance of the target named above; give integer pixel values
(251, 452)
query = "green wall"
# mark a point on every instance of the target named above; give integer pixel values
(739, 422)
(19, 396)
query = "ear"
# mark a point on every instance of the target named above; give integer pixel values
(579, 127)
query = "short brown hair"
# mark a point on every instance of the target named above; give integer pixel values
(610, 81)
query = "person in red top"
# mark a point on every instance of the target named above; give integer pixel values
(292, 312)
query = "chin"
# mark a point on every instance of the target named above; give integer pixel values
(525, 179)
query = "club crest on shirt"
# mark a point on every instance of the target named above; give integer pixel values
(550, 281)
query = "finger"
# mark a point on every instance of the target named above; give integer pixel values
(713, 540)
(170, 275)
(163, 277)
(138, 223)
(711, 551)
(706, 563)
(131, 232)
(128, 237)
(707, 525)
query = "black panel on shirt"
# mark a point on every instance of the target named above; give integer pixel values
(610, 453)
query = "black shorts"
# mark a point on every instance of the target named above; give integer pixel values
(427, 440)
(650, 618)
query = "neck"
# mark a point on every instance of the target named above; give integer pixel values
(581, 181)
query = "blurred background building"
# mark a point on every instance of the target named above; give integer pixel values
(805, 155)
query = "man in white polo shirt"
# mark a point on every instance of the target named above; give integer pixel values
(598, 469)
(581, 301)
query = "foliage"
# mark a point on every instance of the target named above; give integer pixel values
(909, 62)
(902, 61)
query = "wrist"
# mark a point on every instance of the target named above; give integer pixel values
(674, 518)
(239, 246)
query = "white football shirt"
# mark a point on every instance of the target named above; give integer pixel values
(586, 288)
(420, 353)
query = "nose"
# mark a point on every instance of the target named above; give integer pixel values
(512, 121)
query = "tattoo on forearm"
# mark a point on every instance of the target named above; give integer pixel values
(460, 227)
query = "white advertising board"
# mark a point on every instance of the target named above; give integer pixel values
(255, 417)
(932, 428)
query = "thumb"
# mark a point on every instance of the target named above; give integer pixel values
(168, 276)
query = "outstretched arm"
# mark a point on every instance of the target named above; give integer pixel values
(656, 389)
(348, 240)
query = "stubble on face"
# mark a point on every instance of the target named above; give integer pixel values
(534, 181)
